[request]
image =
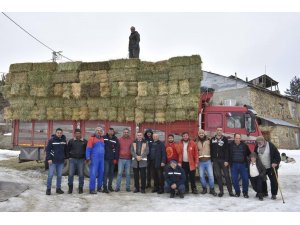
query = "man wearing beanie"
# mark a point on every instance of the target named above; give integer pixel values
(270, 158)
(175, 179)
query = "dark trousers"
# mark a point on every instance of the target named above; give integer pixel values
(242, 170)
(109, 167)
(273, 181)
(190, 176)
(180, 188)
(256, 183)
(157, 175)
(149, 173)
(134, 53)
(136, 174)
(218, 166)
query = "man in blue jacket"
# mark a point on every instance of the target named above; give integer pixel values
(56, 151)
(175, 179)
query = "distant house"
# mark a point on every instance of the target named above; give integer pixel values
(278, 115)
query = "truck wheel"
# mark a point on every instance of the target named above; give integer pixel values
(86, 170)
(65, 171)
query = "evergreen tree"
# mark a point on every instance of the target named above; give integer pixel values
(294, 90)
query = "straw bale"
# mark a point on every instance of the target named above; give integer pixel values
(86, 77)
(114, 89)
(94, 66)
(132, 88)
(67, 88)
(40, 77)
(20, 67)
(149, 116)
(76, 90)
(185, 60)
(8, 113)
(5, 90)
(50, 113)
(76, 114)
(192, 114)
(190, 101)
(69, 66)
(68, 113)
(175, 102)
(129, 101)
(65, 77)
(58, 114)
(124, 63)
(40, 91)
(58, 90)
(98, 102)
(73, 103)
(112, 113)
(122, 89)
(173, 87)
(194, 86)
(129, 114)
(195, 59)
(161, 102)
(49, 66)
(160, 116)
(180, 114)
(121, 114)
(162, 88)
(145, 102)
(152, 88)
(170, 115)
(185, 72)
(94, 90)
(104, 90)
(102, 114)
(139, 116)
(84, 113)
(22, 113)
(122, 75)
(54, 102)
(19, 102)
(142, 88)
(17, 77)
(84, 89)
(100, 76)
(15, 88)
(184, 87)
(93, 113)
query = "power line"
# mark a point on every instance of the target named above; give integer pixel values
(53, 51)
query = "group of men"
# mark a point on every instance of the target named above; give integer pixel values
(172, 166)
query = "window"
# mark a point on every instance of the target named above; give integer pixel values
(235, 120)
(214, 120)
(230, 102)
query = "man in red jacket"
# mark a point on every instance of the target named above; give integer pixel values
(171, 149)
(188, 159)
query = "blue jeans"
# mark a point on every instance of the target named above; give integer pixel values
(58, 167)
(206, 166)
(109, 167)
(242, 170)
(180, 188)
(123, 164)
(79, 164)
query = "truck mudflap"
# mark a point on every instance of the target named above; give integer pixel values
(30, 153)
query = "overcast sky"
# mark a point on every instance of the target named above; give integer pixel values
(227, 42)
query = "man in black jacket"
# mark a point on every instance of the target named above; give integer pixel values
(220, 158)
(134, 46)
(270, 158)
(157, 161)
(148, 136)
(76, 155)
(238, 160)
(111, 156)
(56, 152)
(175, 179)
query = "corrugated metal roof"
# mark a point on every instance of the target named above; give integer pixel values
(279, 122)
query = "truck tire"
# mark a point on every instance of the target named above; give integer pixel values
(65, 171)
(86, 170)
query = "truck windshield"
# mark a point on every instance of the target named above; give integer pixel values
(235, 120)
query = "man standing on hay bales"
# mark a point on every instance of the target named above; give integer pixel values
(134, 46)
(56, 152)
(95, 157)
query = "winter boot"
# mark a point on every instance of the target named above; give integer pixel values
(93, 192)
(260, 196)
(70, 189)
(221, 194)
(181, 195)
(105, 190)
(172, 194)
(212, 192)
(246, 195)
(204, 191)
(48, 192)
(195, 191)
(80, 190)
(237, 194)
(231, 194)
(111, 189)
(59, 191)
(273, 197)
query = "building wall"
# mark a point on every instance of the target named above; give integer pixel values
(241, 95)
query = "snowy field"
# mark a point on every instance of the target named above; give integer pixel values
(35, 199)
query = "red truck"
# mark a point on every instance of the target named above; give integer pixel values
(31, 137)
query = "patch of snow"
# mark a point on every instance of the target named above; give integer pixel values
(7, 134)
(7, 154)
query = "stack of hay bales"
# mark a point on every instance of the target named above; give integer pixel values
(124, 90)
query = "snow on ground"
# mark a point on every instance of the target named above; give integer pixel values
(7, 154)
(35, 199)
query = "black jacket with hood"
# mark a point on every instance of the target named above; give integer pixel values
(56, 149)
(112, 147)
(149, 140)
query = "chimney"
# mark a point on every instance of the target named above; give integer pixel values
(246, 79)
(235, 75)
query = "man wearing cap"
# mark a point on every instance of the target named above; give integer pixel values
(95, 156)
(134, 46)
(175, 179)
(270, 158)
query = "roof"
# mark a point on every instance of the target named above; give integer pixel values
(279, 122)
(264, 79)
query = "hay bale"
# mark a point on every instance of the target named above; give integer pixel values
(41, 91)
(195, 59)
(50, 113)
(114, 91)
(94, 90)
(132, 88)
(84, 113)
(160, 116)
(16, 78)
(19, 102)
(76, 114)
(67, 90)
(139, 116)
(86, 77)
(93, 113)
(180, 114)
(161, 102)
(58, 90)
(22, 114)
(180, 61)
(98, 102)
(129, 101)
(38, 113)
(145, 72)
(58, 114)
(40, 77)
(94, 66)
(142, 89)
(5, 90)
(145, 102)
(14, 91)
(48, 66)
(149, 116)
(124, 63)
(104, 90)
(76, 90)
(173, 87)
(116, 75)
(192, 114)
(20, 67)
(175, 102)
(65, 77)
(112, 113)
(184, 87)
(122, 88)
(162, 88)
(170, 115)
(190, 101)
(69, 66)
(73, 103)
(129, 114)
(84, 90)
(55, 102)
(100, 76)
(8, 113)
(102, 114)
(121, 115)
(152, 88)
(68, 113)
(194, 86)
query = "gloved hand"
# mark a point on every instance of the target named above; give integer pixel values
(115, 161)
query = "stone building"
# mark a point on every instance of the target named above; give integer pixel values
(277, 115)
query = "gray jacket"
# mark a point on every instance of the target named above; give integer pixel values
(143, 151)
